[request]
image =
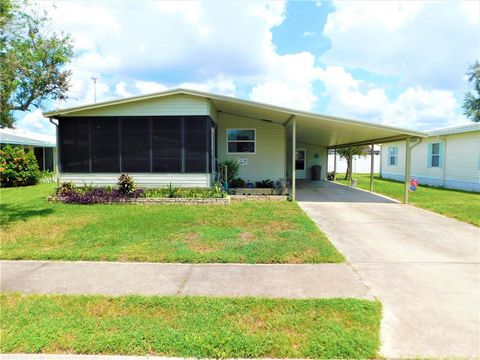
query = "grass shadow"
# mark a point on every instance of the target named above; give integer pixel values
(10, 214)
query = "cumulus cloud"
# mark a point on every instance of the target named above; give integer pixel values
(427, 43)
(414, 108)
(35, 122)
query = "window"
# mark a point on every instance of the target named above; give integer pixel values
(241, 141)
(435, 156)
(135, 144)
(392, 155)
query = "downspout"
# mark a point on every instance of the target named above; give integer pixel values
(56, 154)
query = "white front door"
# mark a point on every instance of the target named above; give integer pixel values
(301, 163)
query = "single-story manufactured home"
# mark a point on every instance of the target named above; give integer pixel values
(447, 158)
(42, 146)
(180, 136)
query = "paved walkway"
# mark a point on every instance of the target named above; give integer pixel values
(422, 266)
(290, 281)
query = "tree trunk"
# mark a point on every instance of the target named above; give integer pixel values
(347, 173)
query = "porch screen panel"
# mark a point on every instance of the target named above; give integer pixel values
(196, 142)
(135, 144)
(74, 145)
(167, 144)
(105, 145)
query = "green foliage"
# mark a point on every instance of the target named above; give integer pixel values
(66, 187)
(126, 184)
(471, 103)
(264, 184)
(279, 187)
(345, 154)
(232, 169)
(237, 183)
(18, 168)
(191, 327)
(32, 61)
(178, 192)
(242, 232)
(46, 176)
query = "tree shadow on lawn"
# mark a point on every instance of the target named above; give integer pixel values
(10, 214)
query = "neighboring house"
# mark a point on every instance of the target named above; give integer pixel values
(180, 136)
(361, 164)
(43, 146)
(448, 158)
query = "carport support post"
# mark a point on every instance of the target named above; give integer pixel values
(294, 154)
(350, 170)
(334, 165)
(372, 160)
(408, 155)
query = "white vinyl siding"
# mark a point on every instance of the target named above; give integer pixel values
(145, 180)
(459, 157)
(170, 105)
(268, 162)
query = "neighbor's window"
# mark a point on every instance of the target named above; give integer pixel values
(435, 160)
(392, 155)
(241, 141)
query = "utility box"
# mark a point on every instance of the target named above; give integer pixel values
(316, 172)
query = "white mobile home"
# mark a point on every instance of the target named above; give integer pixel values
(447, 158)
(180, 136)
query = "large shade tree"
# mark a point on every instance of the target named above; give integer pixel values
(471, 103)
(32, 60)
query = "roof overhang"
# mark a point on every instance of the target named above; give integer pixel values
(312, 128)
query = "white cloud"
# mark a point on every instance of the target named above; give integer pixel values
(34, 122)
(149, 87)
(426, 43)
(289, 82)
(414, 108)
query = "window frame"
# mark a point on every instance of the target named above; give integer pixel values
(244, 141)
(395, 155)
(432, 155)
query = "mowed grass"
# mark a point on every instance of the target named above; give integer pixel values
(260, 232)
(461, 205)
(190, 326)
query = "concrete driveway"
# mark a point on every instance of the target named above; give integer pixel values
(422, 266)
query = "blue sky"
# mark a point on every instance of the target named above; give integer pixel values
(395, 63)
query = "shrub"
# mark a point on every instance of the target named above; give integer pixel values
(237, 183)
(18, 168)
(280, 187)
(177, 192)
(66, 188)
(232, 169)
(126, 184)
(264, 184)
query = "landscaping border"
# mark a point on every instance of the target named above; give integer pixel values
(259, 197)
(163, 201)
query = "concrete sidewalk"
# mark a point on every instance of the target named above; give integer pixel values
(109, 278)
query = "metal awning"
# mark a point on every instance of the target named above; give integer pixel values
(311, 128)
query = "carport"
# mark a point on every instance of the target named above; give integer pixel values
(335, 133)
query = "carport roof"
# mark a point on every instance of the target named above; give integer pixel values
(312, 128)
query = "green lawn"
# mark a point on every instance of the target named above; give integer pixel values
(276, 232)
(190, 326)
(460, 205)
